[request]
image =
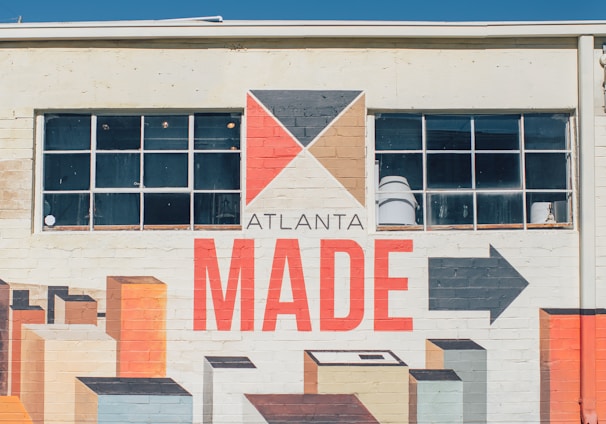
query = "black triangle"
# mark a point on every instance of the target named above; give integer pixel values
(305, 113)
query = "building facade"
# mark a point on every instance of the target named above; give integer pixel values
(395, 222)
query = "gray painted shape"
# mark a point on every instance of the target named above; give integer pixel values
(470, 364)
(438, 397)
(474, 284)
(149, 409)
(305, 113)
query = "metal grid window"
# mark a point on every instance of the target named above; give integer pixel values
(141, 171)
(473, 171)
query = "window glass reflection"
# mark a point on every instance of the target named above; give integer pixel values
(118, 170)
(398, 132)
(216, 208)
(67, 171)
(117, 209)
(118, 132)
(217, 131)
(506, 208)
(165, 170)
(448, 132)
(500, 132)
(216, 171)
(166, 132)
(66, 209)
(450, 208)
(166, 209)
(449, 170)
(67, 132)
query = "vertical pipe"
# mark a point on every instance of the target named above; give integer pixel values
(587, 247)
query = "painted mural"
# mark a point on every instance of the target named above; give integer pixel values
(363, 319)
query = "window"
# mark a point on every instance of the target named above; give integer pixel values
(473, 171)
(141, 171)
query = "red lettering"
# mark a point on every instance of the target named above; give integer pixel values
(328, 321)
(287, 250)
(241, 268)
(384, 284)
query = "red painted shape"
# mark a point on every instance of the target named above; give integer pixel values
(242, 268)
(19, 318)
(588, 369)
(560, 362)
(384, 284)
(269, 148)
(328, 249)
(287, 250)
(601, 363)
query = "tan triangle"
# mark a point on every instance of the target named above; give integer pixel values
(341, 149)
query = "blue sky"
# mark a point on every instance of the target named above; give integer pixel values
(403, 10)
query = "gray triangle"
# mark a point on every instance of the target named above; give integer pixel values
(305, 113)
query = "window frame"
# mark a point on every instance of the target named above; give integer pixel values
(570, 152)
(190, 189)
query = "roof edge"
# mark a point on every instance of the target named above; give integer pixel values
(215, 27)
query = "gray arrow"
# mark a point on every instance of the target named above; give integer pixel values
(474, 284)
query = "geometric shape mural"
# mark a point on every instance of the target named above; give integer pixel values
(305, 113)
(109, 400)
(560, 356)
(269, 148)
(53, 356)
(225, 381)
(377, 377)
(341, 149)
(283, 123)
(436, 396)
(469, 361)
(136, 318)
(309, 409)
(21, 313)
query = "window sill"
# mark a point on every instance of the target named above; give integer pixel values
(67, 228)
(400, 228)
(567, 225)
(235, 227)
(557, 225)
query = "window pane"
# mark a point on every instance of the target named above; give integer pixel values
(539, 207)
(117, 209)
(118, 132)
(118, 170)
(409, 166)
(216, 208)
(497, 132)
(448, 132)
(165, 170)
(546, 170)
(398, 132)
(67, 209)
(166, 132)
(67, 171)
(217, 131)
(67, 132)
(545, 131)
(498, 170)
(450, 209)
(448, 170)
(214, 171)
(166, 209)
(506, 208)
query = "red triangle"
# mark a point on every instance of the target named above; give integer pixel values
(269, 148)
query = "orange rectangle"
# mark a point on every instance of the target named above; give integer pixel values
(136, 318)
